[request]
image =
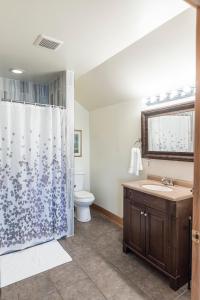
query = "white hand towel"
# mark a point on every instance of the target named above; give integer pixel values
(136, 162)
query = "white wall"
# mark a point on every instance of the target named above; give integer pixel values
(82, 164)
(113, 130)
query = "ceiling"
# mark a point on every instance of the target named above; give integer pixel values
(162, 60)
(92, 31)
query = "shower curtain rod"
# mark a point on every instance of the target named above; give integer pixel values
(35, 103)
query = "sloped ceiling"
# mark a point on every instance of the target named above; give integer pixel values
(160, 61)
(92, 31)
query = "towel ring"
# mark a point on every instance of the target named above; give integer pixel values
(138, 142)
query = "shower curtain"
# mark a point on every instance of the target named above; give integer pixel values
(34, 204)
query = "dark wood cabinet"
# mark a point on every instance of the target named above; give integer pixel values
(137, 227)
(157, 230)
(156, 237)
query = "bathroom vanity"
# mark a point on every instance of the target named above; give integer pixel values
(156, 227)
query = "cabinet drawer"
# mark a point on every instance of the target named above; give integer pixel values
(134, 195)
(147, 200)
(156, 202)
(151, 201)
(128, 193)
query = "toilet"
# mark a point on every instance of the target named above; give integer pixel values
(82, 199)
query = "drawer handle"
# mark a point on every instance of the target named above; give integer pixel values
(145, 215)
(142, 213)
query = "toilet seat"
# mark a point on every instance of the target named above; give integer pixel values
(84, 196)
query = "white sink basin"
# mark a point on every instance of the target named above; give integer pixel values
(159, 188)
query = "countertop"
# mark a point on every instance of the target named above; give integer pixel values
(178, 192)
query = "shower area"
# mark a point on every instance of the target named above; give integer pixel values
(36, 161)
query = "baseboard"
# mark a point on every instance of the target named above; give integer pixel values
(110, 216)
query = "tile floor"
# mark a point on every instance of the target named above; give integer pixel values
(100, 270)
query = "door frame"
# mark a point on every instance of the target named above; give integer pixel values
(196, 199)
(196, 190)
(195, 3)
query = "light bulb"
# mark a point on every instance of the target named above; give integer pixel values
(17, 71)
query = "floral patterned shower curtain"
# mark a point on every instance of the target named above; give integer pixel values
(34, 205)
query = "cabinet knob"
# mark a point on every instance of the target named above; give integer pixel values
(142, 213)
(145, 214)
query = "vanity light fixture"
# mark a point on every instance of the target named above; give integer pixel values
(173, 94)
(187, 89)
(17, 71)
(163, 96)
(153, 99)
(185, 92)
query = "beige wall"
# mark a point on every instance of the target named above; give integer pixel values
(113, 130)
(82, 164)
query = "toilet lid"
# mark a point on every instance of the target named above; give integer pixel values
(83, 195)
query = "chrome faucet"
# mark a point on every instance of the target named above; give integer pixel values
(167, 181)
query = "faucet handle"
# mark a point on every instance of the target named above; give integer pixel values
(167, 181)
(163, 179)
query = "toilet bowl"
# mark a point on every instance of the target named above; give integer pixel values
(82, 199)
(82, 202)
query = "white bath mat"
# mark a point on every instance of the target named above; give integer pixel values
(26, 263)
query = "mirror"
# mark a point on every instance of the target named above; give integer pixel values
(168, 133)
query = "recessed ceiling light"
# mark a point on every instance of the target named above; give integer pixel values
(17, 71)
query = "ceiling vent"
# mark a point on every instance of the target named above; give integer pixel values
(47, 42)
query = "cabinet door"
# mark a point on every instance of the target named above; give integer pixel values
(157, 237)
(137, 227)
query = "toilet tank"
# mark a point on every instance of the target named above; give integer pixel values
(79, 181)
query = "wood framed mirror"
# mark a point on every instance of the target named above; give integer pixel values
(168, 133)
